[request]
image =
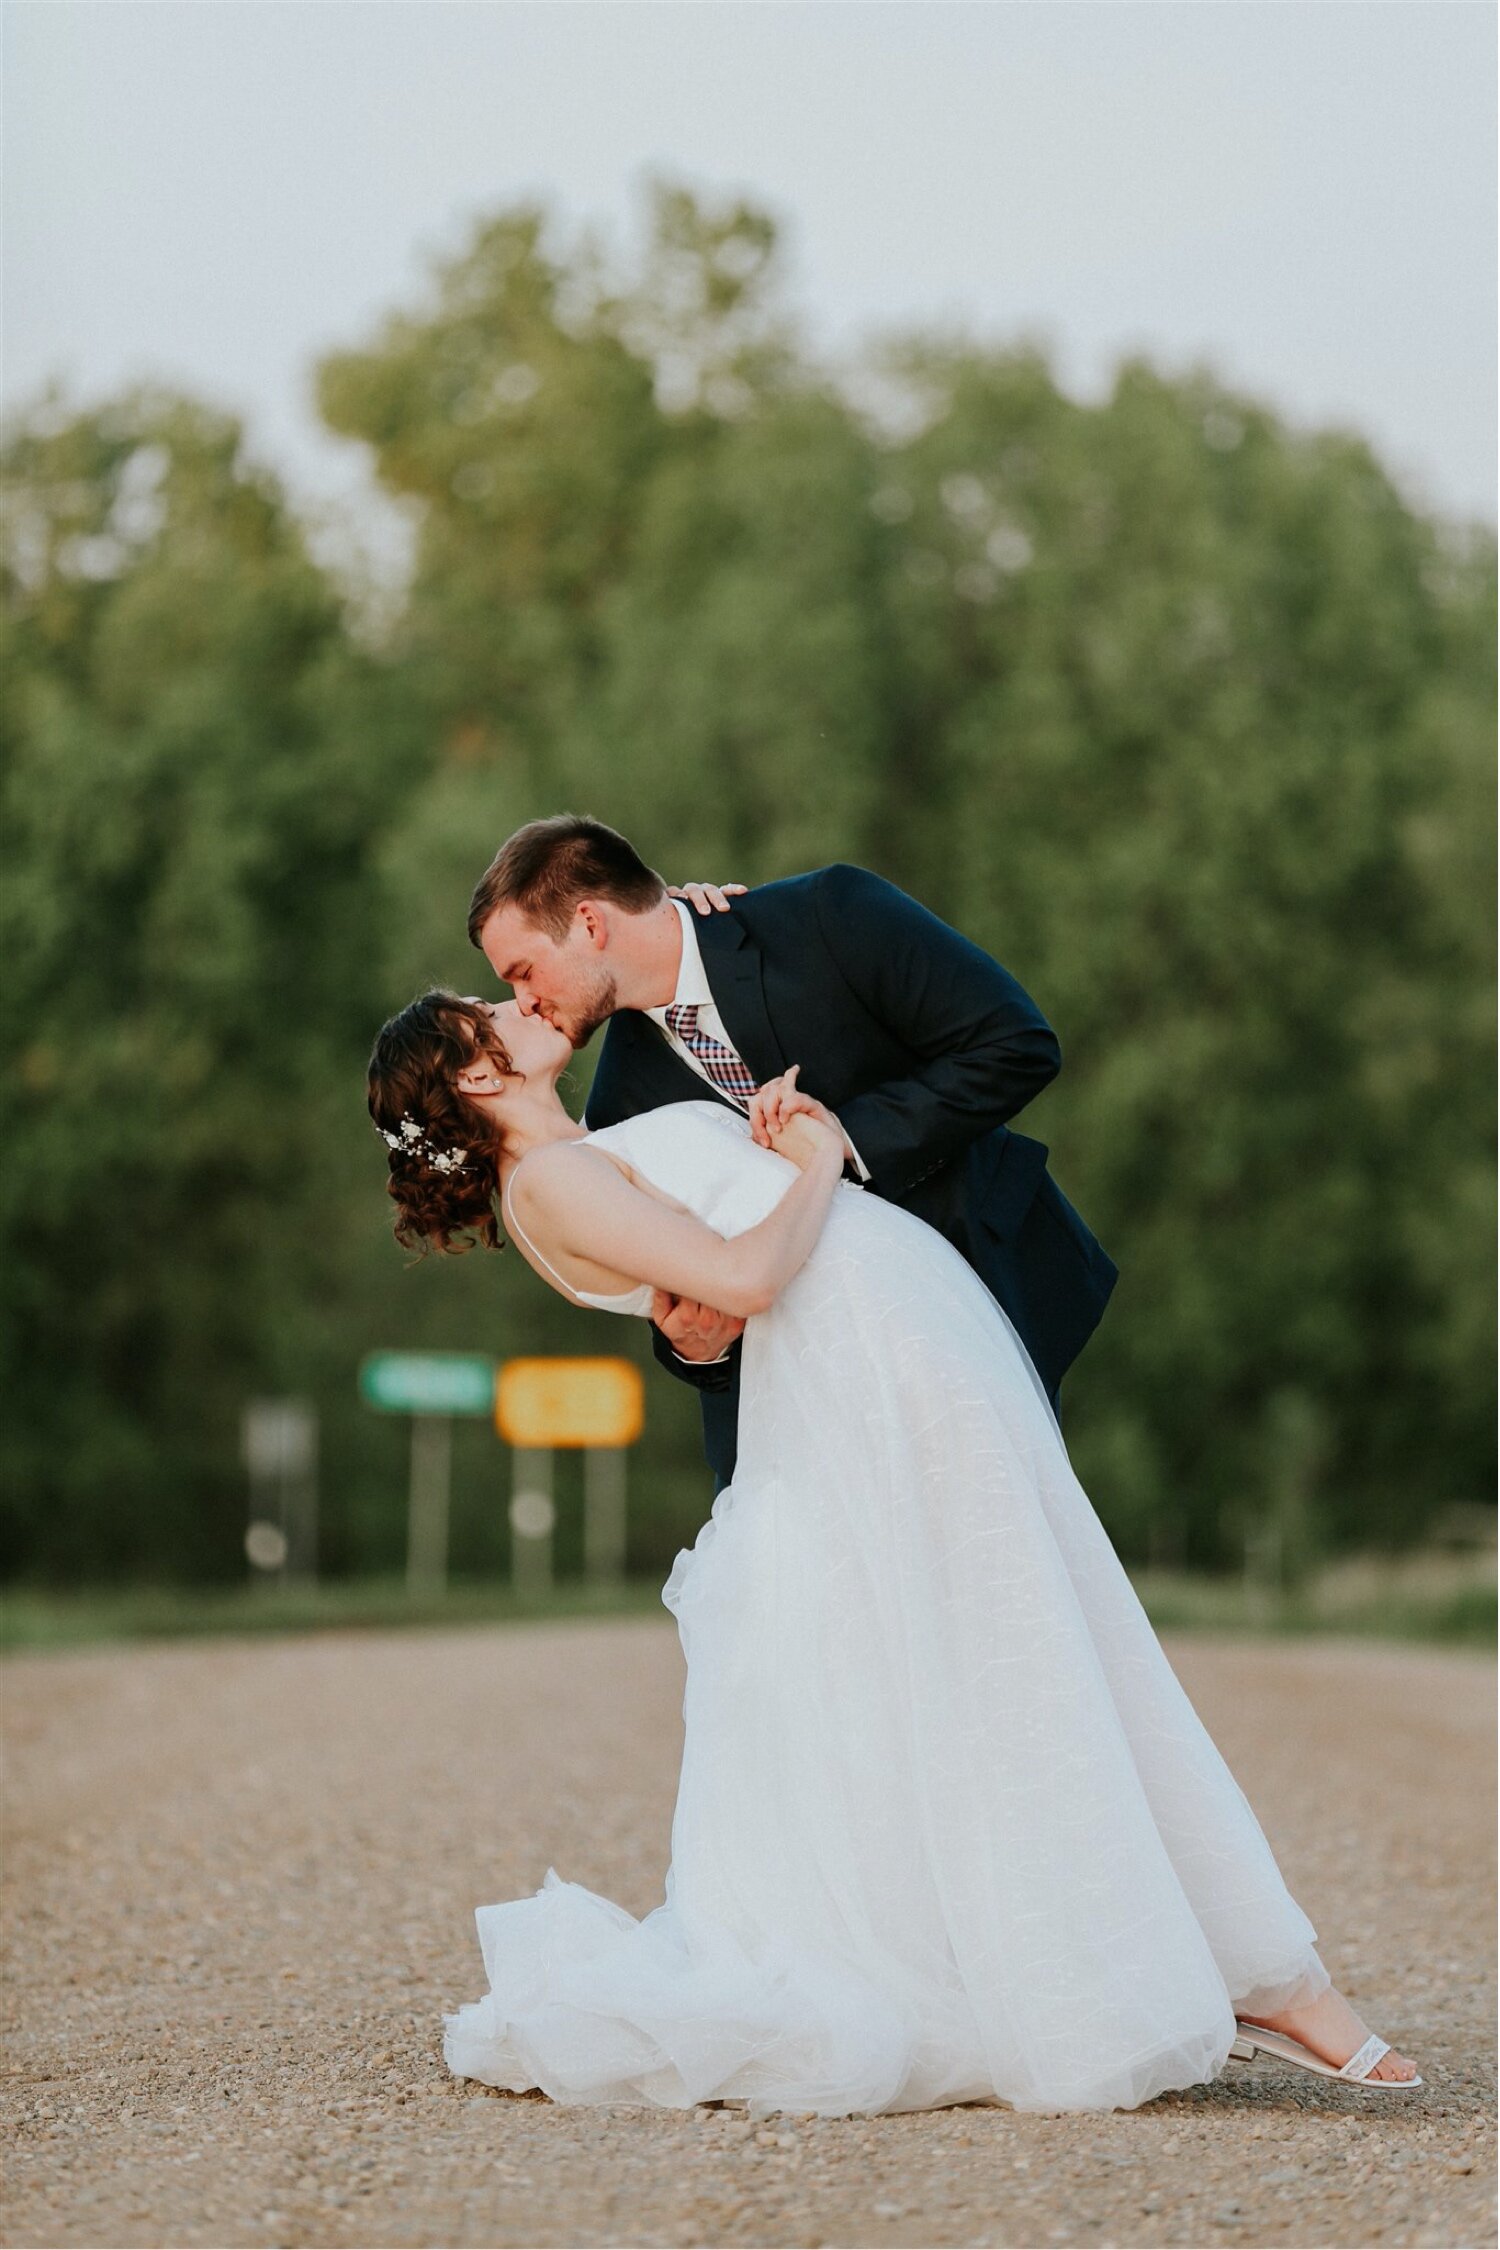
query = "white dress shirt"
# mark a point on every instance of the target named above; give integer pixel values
(695, 991)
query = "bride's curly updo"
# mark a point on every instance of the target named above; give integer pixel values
(442, 1147)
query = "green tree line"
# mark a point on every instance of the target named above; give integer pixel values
(1182, 713)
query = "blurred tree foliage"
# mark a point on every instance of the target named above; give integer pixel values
(1184, 715)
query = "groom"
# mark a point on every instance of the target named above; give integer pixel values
(920, 1044)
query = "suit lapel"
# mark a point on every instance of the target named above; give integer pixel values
(638, 1069)
(736, 977)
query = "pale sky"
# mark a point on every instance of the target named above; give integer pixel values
(1300, 192)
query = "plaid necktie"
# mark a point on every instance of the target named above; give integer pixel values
(722, 1063)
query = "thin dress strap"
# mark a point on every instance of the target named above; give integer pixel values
(579, 1296)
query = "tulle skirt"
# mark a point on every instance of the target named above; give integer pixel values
(948, 1827)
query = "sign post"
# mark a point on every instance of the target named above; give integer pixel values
(279, 1444)
(427, 1503)
(604, 1512)
(533, 1518)
(431, 1387)
(594, 1404)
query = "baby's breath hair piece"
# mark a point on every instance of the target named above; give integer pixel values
(412, 1138)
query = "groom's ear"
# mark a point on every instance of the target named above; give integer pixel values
(595, 926)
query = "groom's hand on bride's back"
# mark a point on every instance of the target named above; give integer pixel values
(694, 1331)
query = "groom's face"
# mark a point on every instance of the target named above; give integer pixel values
(567, 983)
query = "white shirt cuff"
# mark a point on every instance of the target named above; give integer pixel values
(717, 1360)
(860, 1166)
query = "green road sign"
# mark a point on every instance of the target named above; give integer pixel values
(428, 1383)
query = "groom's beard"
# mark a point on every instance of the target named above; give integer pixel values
(599, 1006)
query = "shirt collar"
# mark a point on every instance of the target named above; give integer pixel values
(693, 987)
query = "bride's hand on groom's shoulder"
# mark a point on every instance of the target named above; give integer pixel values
(706, 898)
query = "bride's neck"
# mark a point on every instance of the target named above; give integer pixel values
(534, 1126)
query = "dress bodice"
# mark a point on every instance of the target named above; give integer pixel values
(701, 1153)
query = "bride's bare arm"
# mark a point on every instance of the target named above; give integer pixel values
(583, 1204)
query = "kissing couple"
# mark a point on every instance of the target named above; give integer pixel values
(947, 1828)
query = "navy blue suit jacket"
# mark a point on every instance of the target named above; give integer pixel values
(923, 1046)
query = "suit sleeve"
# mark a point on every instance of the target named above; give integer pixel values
(980, 1047)
(857, 1166)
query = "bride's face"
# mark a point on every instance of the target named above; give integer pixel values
(536, 1047)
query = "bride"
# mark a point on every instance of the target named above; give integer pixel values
(947, 1828)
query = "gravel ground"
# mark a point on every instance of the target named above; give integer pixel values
(241, 1880)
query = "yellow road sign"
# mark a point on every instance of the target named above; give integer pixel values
(541, 1402)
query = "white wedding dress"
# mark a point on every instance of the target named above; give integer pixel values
(947, 1826)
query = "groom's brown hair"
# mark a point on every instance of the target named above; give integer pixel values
(546, 867)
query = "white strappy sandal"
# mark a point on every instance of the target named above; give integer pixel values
(1254, 2038)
